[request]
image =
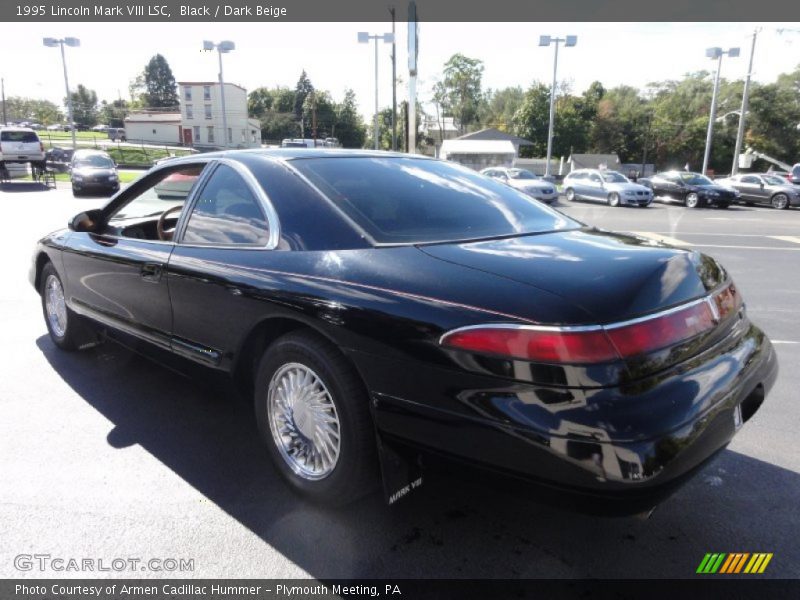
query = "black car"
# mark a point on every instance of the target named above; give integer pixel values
(693, 189)
(59, 159)
(757, 188)
(93, 171)
(380, 307)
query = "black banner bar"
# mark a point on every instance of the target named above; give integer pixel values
(372, 10)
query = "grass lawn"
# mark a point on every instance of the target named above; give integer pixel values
(124, 176)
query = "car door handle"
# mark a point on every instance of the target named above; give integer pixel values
(152, 272)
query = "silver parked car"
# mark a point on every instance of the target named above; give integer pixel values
(524, 181)
(763, 188)
(611, 187)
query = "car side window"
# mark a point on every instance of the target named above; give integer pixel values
(226, 213)
(750, 179)
(594, 177)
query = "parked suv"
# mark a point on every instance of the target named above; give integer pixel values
(20, 145)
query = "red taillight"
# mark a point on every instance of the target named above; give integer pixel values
(653, 334)
(597, 344)
(537, 345)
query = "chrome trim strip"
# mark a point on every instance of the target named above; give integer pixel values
(708, 299)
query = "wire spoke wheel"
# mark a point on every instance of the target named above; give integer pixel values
(304, 421)
(55, 306)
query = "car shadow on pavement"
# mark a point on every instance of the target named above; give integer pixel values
(23, 186)
(457, 525)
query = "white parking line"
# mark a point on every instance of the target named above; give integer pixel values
(785, 248)
(786, 238)
(784, 342)
(661, 238)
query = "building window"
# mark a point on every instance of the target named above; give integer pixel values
(208, 111)
(189, 111)
(210, 135)
(253, 132)
(230, 135)
(244, 135)
(187, 93)
(206, 92)
(154, 131)
(196, 130)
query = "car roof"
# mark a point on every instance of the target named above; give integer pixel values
(295, 153)
(16, 128)
(89, 152)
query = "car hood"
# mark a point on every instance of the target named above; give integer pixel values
(94, 171)
(626, 187)
(531, 184)
(611, 277)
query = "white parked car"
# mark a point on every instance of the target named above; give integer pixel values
(20, 145)
(524, 181)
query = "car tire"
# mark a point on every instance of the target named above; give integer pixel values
(76, 191)
(325, 450)
(613, 199)
(692, 200)
(569, 194)
(780, 201)
(64, 326)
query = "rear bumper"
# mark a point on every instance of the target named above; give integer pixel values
(610, 450)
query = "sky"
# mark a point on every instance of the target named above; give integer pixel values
(274, 53)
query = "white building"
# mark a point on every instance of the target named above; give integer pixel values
(154, 127)
(201, 116)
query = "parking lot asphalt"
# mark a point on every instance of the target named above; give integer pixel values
(105, 455)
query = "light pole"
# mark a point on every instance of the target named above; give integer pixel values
(394, 86)
(569, 42)
(743, 113)
(222, 48)
(717, 54)
(73, 43)
(364, 38)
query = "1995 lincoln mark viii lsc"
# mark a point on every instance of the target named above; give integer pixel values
(375, 300)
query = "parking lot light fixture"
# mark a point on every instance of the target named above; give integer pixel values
(223, 47)
(716, 54)
(545, 40)
(364, 38)
(72, 43)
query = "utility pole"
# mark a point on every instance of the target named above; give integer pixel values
(3, 91)
(716, 54)
(394, 84)
(413, 51)
(314, 117)
(743, 113)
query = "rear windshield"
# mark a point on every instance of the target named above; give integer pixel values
(19, 136)
(408, 200)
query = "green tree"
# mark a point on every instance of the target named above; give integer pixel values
(84, 106)
(462, 86)
(497, 108)
(301, 92)
(350, 129)
(113, 113)
(160, 90)
(31, 109)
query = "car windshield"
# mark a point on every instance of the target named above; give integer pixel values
(520, 174)
(613, 177)
(772, 180)
(97, 161)
(409, 200)
(796, 171)
(695, 179)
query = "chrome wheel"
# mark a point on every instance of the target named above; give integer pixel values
(613, 199)
(780, 201)
(55, 306)
(692, 200)
(570, 194)
(303, 421)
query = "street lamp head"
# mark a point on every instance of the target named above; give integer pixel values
(208, 45)
(388, 38)
(713, 52)
(363, 37)
(544, 40)
(50, 42)
(226, 46)
(733, 52)
(571, 41)
(72, 42)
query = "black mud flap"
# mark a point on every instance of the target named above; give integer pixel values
(401, 469)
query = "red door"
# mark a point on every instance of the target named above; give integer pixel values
(187, 136)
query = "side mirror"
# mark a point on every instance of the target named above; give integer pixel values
(86, 221)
